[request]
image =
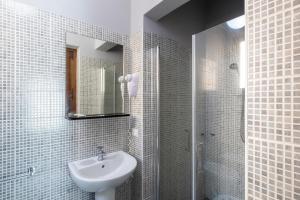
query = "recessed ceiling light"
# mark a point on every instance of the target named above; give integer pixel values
(236, 23)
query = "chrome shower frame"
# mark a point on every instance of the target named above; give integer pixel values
(156, 142)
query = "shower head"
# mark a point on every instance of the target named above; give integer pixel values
(234, 66)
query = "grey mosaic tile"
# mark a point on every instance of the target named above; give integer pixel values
(272, 32)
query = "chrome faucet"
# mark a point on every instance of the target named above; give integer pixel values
(101, 153)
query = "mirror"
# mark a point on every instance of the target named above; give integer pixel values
(92, 70)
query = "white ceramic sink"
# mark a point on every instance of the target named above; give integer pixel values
(102, 177)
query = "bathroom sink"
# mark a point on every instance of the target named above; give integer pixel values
(102, 177)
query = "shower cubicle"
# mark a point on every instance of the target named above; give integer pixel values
(200, 141)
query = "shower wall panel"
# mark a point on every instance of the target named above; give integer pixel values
(175, 115)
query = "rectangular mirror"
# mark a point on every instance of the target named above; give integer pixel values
(92, 86)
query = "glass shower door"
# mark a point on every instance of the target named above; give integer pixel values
(218, 113)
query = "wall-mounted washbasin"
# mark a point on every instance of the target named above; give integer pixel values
(102, 177)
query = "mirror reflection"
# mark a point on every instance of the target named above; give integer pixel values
(93, 68)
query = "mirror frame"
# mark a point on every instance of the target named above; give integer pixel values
(78, 116)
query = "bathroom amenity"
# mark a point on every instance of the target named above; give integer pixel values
(132, 84)
(103, 173)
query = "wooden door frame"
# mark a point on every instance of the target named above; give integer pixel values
(71, 92)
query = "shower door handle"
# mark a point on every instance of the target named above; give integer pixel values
(188, 148)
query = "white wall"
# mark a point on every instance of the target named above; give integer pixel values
(177, 27)
(112, 14)
(122, 16)
(164, 8)
(138, 10)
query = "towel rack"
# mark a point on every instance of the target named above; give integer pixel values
(29, 172)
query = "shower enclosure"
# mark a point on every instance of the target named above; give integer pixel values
(199, 140)
(218, 113)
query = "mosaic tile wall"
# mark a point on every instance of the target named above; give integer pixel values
(219, 114)
(150, 115)
(273, 155)
(136, 120)
(175, 117)
(34, 131)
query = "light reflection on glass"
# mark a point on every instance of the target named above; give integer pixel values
(242, 64)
